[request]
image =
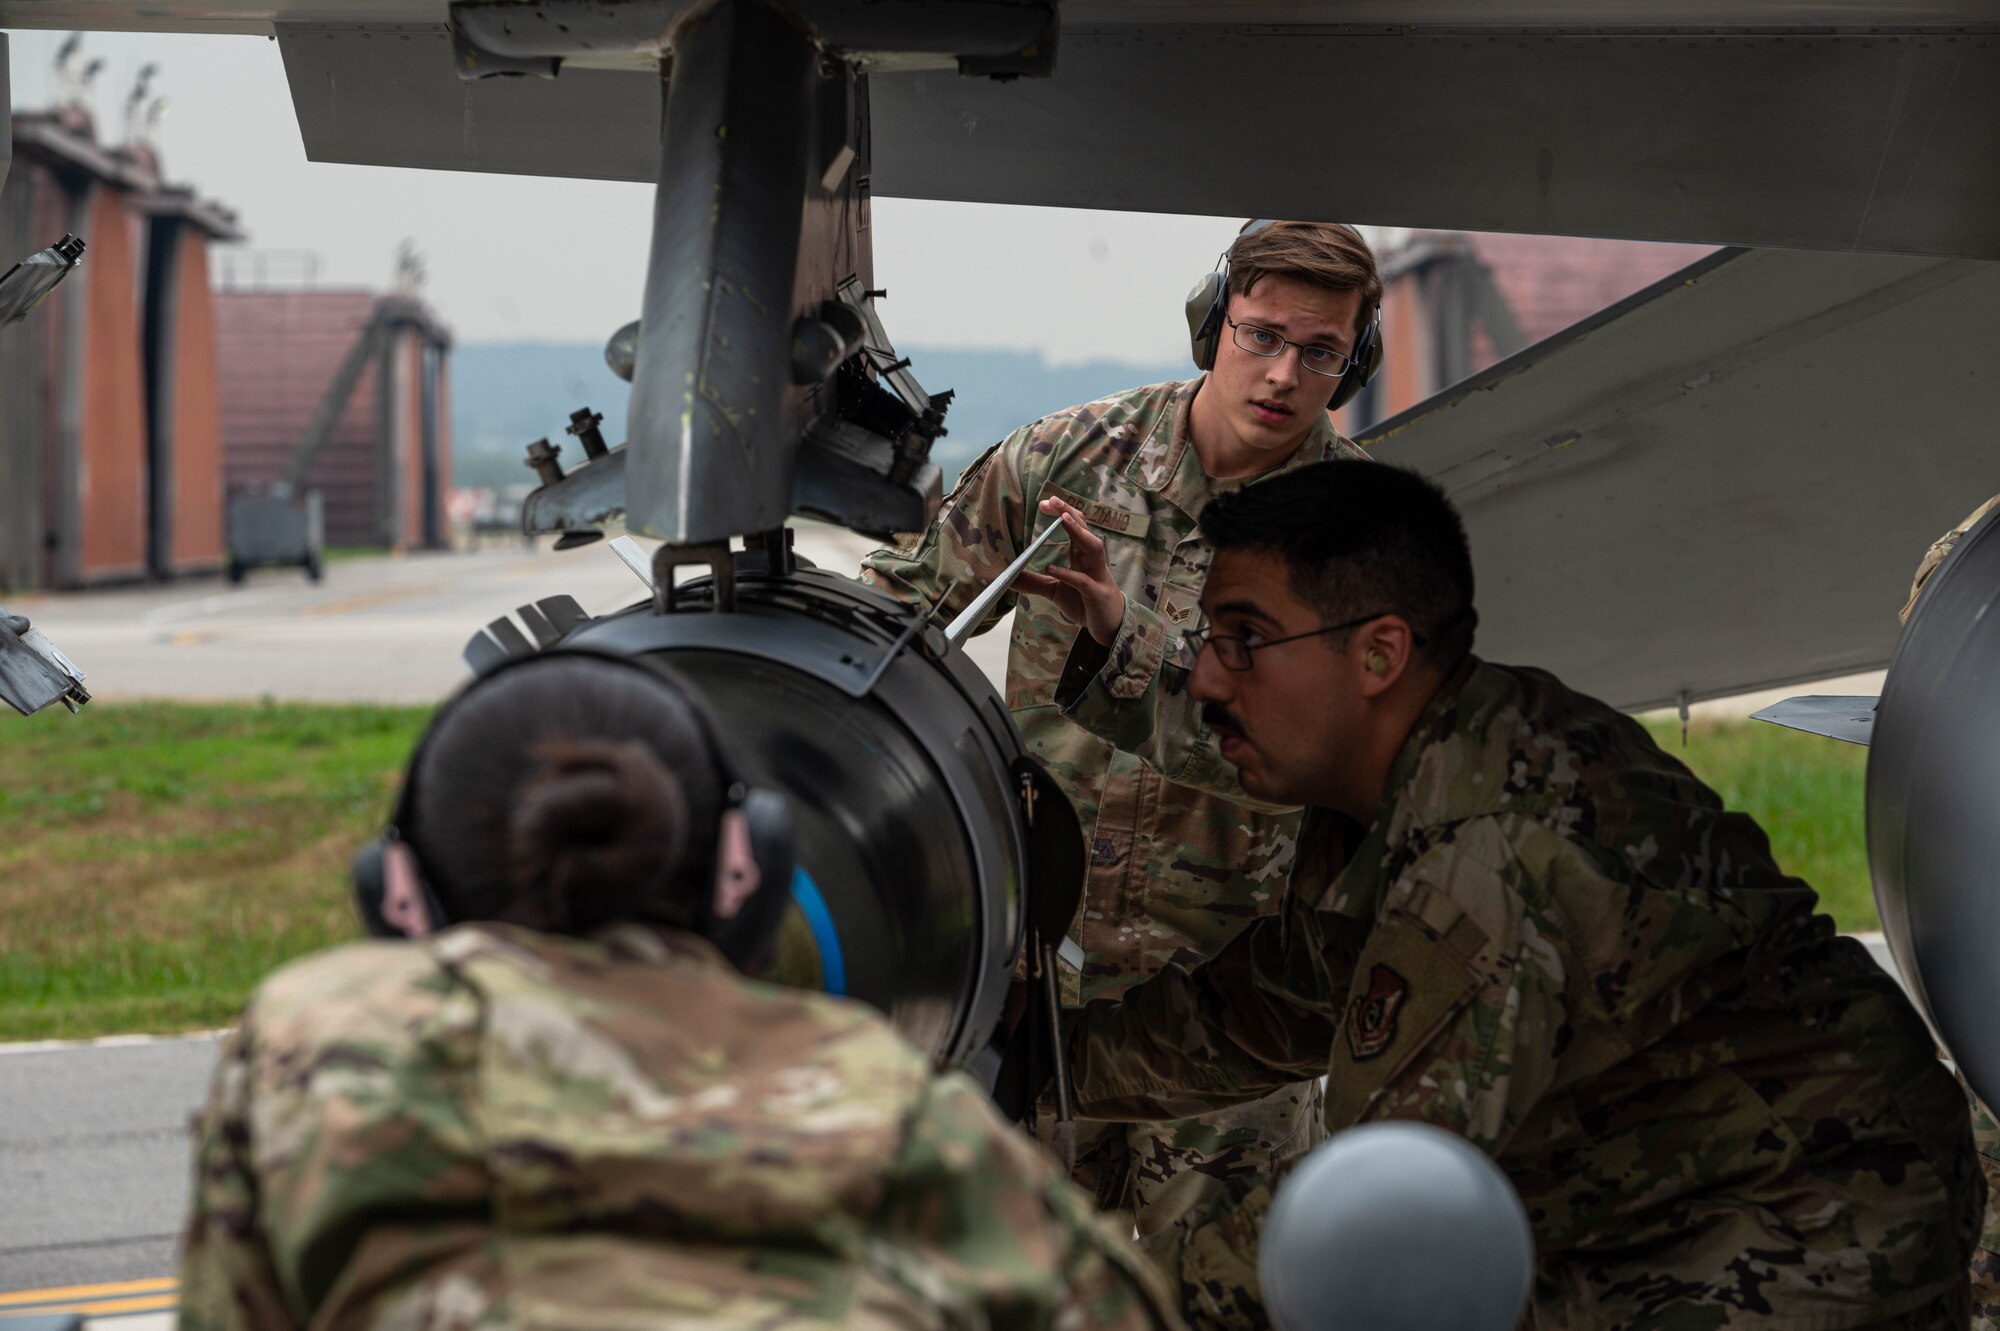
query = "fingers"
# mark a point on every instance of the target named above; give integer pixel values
(1053, 590)
(1055, 580)
(1069, 577)
(1086, 547)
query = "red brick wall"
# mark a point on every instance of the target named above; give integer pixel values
(1551, 282)
(276, 353)
(410, 409)
(112, 466)
(197, 424)
(444, 444)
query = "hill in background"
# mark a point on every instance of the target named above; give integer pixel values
(505, 396)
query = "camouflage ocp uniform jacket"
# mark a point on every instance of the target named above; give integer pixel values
(499, 1128)
(1942, 546)
(1180, 857)
(1554, 940)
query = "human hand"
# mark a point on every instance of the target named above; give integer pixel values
(1082, 591)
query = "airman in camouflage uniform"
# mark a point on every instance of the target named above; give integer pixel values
(1180, 858)
(1552, 938)
(1985, 1128)
(1986, 1257)
(504, 1128)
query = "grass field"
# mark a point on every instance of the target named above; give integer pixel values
(1805, 790)
(160, 857)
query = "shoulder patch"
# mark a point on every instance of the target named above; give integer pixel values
(1371, 1013)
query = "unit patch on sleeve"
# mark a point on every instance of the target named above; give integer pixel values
(1371, 1014)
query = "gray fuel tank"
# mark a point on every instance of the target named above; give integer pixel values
(1934, 805)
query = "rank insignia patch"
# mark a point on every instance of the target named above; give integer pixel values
(1371, 1014)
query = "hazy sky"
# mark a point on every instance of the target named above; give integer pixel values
(504, 252)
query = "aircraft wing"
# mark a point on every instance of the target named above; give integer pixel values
(1806, 123)
(1724, 482)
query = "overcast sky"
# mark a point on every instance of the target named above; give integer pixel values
(506, 256)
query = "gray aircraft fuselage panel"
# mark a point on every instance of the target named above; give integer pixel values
(1806, 125)
(257, 17)
(1723, 483)
(6, 114)
(1875, 143)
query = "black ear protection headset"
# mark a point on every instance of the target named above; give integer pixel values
(1208, 306)
(745, 938)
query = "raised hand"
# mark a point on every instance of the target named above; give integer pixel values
(1082, 591)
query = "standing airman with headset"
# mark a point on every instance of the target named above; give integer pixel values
(547, 1095)
(1284, 329)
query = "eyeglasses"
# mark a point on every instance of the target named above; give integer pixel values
(1234, 652)
(1263, 342)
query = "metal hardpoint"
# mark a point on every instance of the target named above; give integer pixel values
(33, 671)
(763, 382)
(29, 282)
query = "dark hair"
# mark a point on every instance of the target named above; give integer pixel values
(1360, 537)
(568, 793)
(1326, 254)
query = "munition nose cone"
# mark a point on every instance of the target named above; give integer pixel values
(1396, 1227)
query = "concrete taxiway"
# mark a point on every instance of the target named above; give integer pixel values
(376, 630)
(94, 1160)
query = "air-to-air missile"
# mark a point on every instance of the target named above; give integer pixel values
(33, 673)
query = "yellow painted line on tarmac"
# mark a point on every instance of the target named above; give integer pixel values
(369, 600)
(151, 1303)
(71, 1294)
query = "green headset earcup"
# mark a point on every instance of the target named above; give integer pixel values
(1367, 360)
(1205, 307)
(368, 877)
(750, 937)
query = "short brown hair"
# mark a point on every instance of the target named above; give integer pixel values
(1326, 254)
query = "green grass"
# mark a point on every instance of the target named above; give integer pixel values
(1807, 793)
(161, 857)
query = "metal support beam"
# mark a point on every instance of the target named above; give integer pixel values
(6, 114)
(763, 382)
(388, 456)
(369, 345)
(715, 417)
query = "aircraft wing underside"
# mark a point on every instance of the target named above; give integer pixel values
(1718, 485)
(1804, 123)
(1725, 482)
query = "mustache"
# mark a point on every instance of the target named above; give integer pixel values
(1217, 717)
